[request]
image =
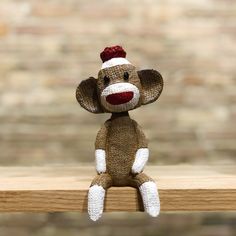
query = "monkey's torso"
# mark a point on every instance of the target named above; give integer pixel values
(121, 146)
(121, 143)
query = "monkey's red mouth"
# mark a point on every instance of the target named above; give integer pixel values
(119, 98)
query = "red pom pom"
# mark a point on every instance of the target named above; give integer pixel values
(112, 52)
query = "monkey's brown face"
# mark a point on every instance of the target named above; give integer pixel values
(119, 88)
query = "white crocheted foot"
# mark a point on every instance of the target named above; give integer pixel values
(96, 196)
(150, 198)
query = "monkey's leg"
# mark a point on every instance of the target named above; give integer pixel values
(149, 193)
(96, 195)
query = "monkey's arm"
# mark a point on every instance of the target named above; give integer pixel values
(142, 154)
(100, 147)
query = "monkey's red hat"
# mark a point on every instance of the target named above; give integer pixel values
(113, 56)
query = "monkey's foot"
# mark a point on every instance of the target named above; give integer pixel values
(96, 196)
(150, 198)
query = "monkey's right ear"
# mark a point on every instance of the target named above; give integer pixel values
(87, 96)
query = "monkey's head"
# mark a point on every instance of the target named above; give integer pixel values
(119, 86)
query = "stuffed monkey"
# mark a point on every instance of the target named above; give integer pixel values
(121, 149)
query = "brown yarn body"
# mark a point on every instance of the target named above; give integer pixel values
(120, 137)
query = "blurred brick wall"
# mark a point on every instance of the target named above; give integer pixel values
(48, 47)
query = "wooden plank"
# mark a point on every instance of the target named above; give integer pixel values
(59, 189)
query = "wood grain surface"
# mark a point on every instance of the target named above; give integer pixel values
(60, 189)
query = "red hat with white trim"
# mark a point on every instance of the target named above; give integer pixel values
(113, 56)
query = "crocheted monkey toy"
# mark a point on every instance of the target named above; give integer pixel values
(121, 149)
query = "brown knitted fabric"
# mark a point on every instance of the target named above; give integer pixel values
(116, 75)
(152, 85)
(142, 141)
(101, 138)
(120, 137)
(149, 83)
(121, 146)
(139, 179)
(103, 180)
(86, 95)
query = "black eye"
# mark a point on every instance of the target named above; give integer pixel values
(106, 80)
(126, 76)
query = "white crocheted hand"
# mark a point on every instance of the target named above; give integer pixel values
(140, 161)
(100, 157)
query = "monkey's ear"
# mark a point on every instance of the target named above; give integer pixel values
(87, 96)
(152, 85)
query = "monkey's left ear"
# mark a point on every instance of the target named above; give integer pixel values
(152, 85)
(87, 96)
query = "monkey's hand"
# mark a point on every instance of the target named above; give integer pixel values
(141, 158)
(100, 157)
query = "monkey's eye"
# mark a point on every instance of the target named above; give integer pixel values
(126, 76)
(106, 80)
